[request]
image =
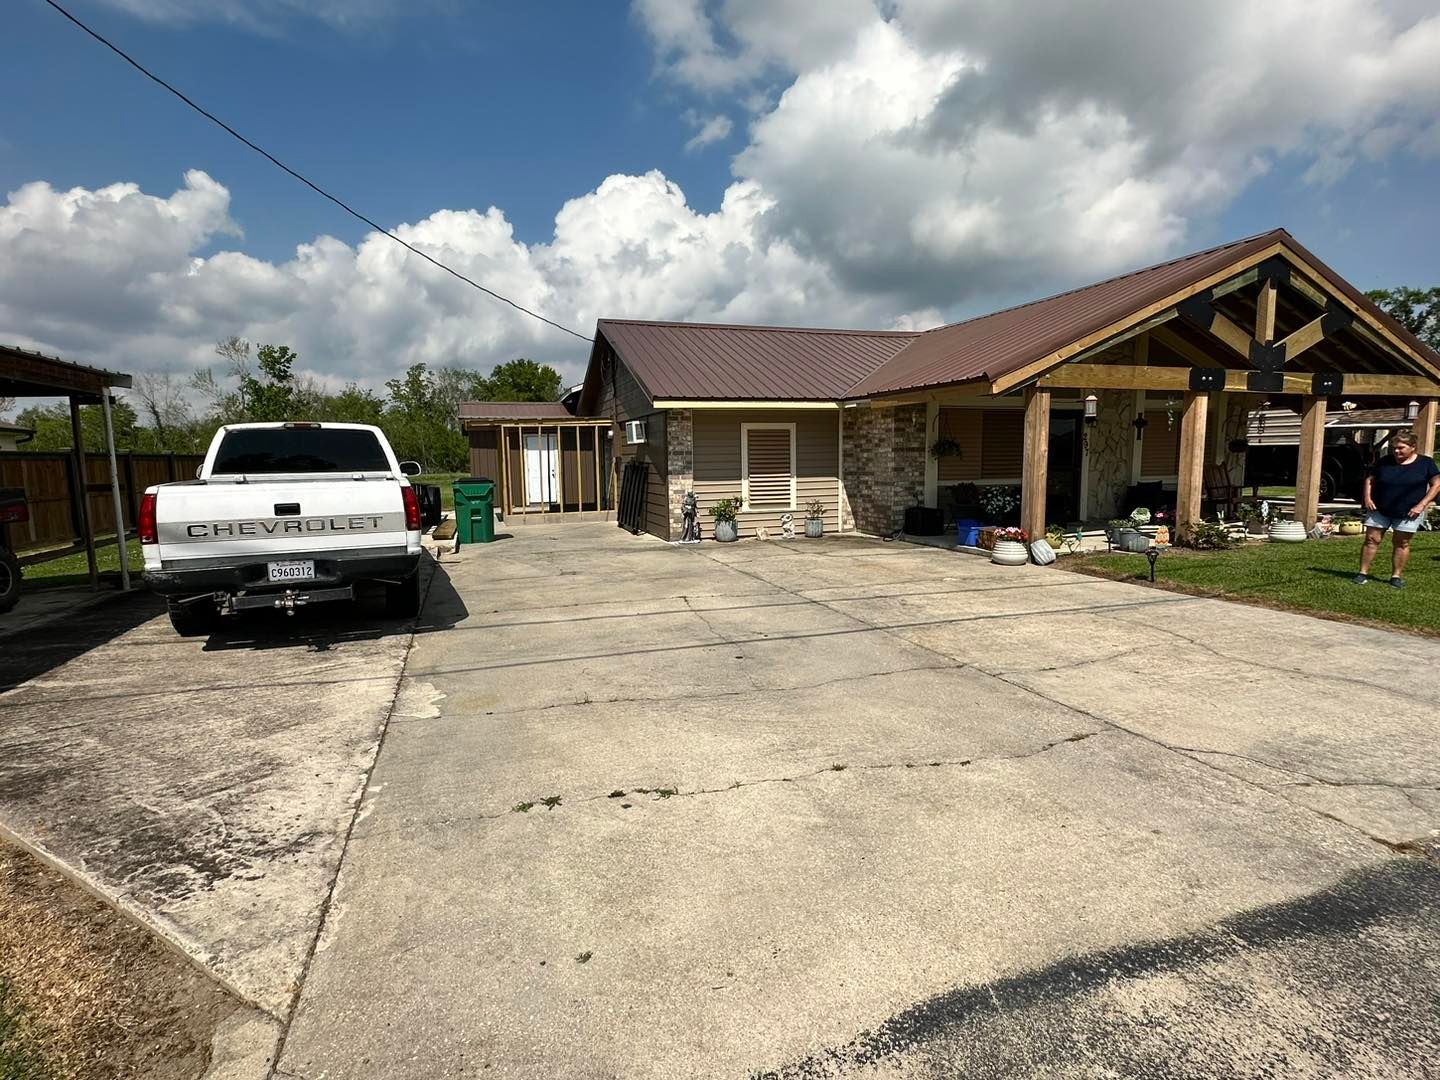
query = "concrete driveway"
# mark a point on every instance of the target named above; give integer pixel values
(851, 807)
(205, 786)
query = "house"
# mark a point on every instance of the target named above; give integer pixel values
(1145, 378)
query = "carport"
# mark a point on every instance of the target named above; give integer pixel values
(25, 374)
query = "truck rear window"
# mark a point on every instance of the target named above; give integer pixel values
(299, 450)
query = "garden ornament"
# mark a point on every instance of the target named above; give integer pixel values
(1152, 553)
(787, 526)
(690, 510)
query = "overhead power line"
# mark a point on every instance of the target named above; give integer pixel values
(305, 180)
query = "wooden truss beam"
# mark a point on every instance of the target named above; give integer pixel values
(1121, 377)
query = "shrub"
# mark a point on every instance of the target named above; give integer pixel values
(1205, 536)
(999, 501)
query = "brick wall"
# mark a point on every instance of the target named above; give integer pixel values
(680, 462)
(884, 465)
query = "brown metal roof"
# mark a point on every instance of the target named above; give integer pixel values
(513, 410)
(707, 361)
(748, 363)
(994, 345)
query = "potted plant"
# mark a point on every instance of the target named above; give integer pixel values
(724, 512)
(1054, 536)
(944, 447)
(815, 518)
(1349, 525)
(1256, 517)
(1001, 503)
(1011, 547)
(1125, 534)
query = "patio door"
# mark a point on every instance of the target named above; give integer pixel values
(1062, 497)
(542, 469)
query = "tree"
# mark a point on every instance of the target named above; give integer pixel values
(52, 426)
(171, 425)
(272, 395)
(420, 425)
(522, 380)
(1418, 310)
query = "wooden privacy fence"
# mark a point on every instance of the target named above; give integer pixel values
(54, 496)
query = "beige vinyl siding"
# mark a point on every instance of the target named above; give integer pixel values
(1160, 445)
(622, 399)
(719, 474)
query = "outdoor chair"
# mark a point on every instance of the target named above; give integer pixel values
(1221, 491)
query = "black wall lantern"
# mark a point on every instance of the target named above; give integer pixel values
(1092, 413)
(1140, 424)
(1412, 410)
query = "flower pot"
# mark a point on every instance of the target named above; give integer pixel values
(726, 532)
(967, 532)
(1130, 540)
(1350, 528)
(1255, 527)
(1009, 553)
(814, 527)
(1287, 532)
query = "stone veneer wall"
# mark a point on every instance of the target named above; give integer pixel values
(884, 465)
(1112, 443)
(680, 462)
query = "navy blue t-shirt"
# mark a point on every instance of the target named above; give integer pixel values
(1397, 488)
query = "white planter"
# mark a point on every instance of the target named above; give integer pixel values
(1010, 553)
(726, 532)
(1287, 532)
(814, 527)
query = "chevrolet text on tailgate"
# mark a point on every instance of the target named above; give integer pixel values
(284, 515)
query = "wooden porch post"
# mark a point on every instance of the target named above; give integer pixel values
(1307, 472)
(1425, 425)
(1034, 479)
(1192, 460)
(82, 482)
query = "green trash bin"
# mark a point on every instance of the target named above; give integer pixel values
(475, 510)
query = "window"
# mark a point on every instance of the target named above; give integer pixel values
(1003, 444)
(767, 461)
(299, 450)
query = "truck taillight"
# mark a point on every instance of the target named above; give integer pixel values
(412, 509)
(147, 519)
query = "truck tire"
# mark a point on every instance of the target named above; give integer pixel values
(193, 620)
(402, 599)
(9, 579)
(1327, 486)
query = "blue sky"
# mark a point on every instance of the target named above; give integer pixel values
(896, 164)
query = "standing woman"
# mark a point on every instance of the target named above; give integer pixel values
(1398, 490)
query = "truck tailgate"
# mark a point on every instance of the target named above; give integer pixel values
(269, 519)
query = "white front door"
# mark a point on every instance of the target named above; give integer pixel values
(542, 470)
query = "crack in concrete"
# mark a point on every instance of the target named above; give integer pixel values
(664, 794)
(691, 696)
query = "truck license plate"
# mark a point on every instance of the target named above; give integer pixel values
(292, 570)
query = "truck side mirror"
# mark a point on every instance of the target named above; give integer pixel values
(410, 468)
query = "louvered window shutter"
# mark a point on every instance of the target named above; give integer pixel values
(770, 470)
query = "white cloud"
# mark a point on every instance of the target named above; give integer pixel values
(903, 164)
(708, 129)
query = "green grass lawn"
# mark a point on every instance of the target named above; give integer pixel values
(442, 480)
(1277, 493)
(1312, 577)
(73, 570)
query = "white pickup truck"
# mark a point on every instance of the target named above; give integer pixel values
(283, 515)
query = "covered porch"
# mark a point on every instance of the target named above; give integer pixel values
(1158, 401)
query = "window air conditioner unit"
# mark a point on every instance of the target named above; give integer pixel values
(634, 432)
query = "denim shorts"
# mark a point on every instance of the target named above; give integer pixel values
(1376, 520)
